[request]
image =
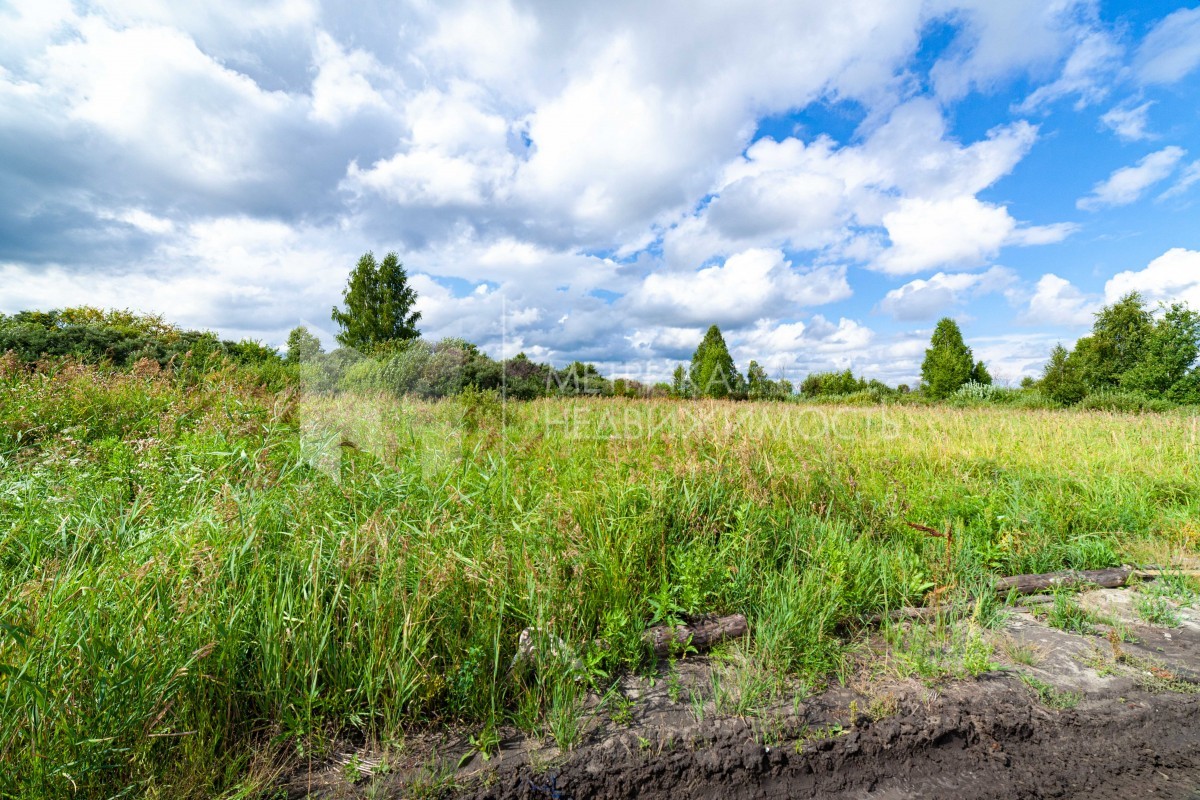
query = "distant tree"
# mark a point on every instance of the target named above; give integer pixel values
(831, 384)
(1168, 351)
(980, 374)
(1130, 349)
(948, 361)
(379, 305)
(713, 373)
(302, 345)
(578, 378)
(679, 382)
(1117, 342)
(758, 385)
(250, 351)
(1061, 378)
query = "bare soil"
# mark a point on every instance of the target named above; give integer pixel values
(1092, 716)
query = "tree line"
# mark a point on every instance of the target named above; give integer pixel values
(1135, 358)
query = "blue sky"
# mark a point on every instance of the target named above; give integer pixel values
(603, 180)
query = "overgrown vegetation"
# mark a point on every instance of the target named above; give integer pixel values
(200, 576)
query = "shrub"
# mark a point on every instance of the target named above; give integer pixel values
(1128, 402)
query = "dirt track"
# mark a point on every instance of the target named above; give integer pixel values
(1133, 732)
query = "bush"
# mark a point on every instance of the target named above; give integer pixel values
(1128, 402)
(826, 384)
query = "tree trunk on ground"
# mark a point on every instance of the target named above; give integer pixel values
(1032, 584)
(701, 635)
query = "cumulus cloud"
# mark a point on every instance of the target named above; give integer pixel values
(930, 233)
(1128, 184)
(748, 286)
(343, 85)
(1171, 49)
(1056, 301)
(1172, 277)
(908, 179)
(943, 293)
(580, 180)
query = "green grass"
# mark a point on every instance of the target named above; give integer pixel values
(1049, 695)
(199, 579)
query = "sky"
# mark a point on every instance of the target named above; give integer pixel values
(604, 180)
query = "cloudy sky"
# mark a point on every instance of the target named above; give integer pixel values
(603, 180)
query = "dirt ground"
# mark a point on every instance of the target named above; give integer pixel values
(1063, 715)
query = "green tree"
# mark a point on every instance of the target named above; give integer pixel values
(758, 385)
(302, 345)
(379, 305)
(831, 384)
(1168, 352)
(948, 361)
(1117, 342)
(679, 382)
(1062, 380)
(713, 373)
(980, 374)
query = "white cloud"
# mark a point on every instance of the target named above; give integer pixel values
(1129, 123)
(1189, 178)
(343, 84)
(793, 349)
(931, 233)
(748, 286)
(1127, 184)
(522, 156)
(243, 276)
(1172, 277)
(907, 177)
(1086, 73)
(1000, 40)
(1171, 49)
(942, 293)
(140, 219)
(457, 154)
(1057, 301)
(1010, 357)
(155, 93)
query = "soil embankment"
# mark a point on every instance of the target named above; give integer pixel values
(1114, 712)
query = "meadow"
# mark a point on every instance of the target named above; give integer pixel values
(202, 581)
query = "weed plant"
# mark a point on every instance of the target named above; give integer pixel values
(194, 583)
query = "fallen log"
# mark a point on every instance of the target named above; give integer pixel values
(700, 635)
(1033, 584)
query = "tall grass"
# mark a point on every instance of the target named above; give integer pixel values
(187, 593)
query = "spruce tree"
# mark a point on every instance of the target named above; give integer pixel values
(713, 373)
(948, 361)
(379, 305)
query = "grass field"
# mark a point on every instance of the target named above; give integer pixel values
(199, 581)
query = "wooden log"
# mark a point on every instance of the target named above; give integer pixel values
(1033, 584)
(701, 635)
